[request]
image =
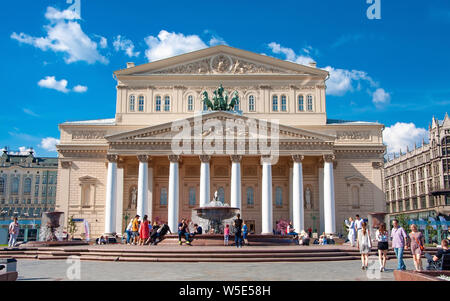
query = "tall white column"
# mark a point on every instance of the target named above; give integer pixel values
(321, 204)
(236, 198)
(297, 191)
(291, 195)
(329, 202)
(266, 196)
(204, 180)
(111, 183)
(142, 199)
(173, 203)
(150, 193)
(119, 201)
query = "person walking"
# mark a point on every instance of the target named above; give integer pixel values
(13, 231)
(399, 243)
(382, 237)
(364, 244)
(144, 231)
(358, 223)
(129, 232)
(351, 231)
(237, 223)
(417, 246)
(245, 233)
(226, 235)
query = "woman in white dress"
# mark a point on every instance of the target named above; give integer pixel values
(351, 226)
(364, 244)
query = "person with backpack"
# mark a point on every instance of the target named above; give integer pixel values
(237, 223)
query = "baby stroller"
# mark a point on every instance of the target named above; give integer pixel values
(159, 234)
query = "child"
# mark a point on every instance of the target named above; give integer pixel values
(226, 233)
(245, 233)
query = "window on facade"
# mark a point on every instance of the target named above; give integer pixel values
(221, 194)
(15, 186)
(167, 103)
(310, 102)
(275, 103)
(141, 103)
(237, 105)
(27, 186)
(301, 104)
(85, 195)
(44, 179)
(279, 196)
(36, 190)
(355, 197)
(251, 103)
(283, 103)
(190, 103)
(158, 104)
(2, 186)
(38, 179)
(192, 196)
(250, 196)
(132, 103)
(163, 196)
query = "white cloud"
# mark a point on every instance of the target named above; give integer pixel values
(168, 44)
(54, 14)
(49, 144)
(401, 135)
(30, 112)
(380, 97)
(80, 89)
(50, 82)
(103, 42)
(66, 36)
(289, 53)
(122, 44)
(23, 151)
(216, 40)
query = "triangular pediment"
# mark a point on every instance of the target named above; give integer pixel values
(220, 60)
(231, 124)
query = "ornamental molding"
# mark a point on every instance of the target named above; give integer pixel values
(88, 135)
(236, 158)
(66, 164)
(112, 158)
(205, 158)
(174, 158)
(353, 135)
(143, 158)
(298, 158)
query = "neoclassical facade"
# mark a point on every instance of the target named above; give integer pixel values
(275, 156)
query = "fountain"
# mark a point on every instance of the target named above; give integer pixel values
(215, 213)
(51, 223)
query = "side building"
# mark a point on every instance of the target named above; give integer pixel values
(27, 189)
(417, 183)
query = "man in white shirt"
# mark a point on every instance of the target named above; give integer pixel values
(358, 223)
(13, 231)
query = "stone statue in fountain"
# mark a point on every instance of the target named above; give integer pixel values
(215, 202)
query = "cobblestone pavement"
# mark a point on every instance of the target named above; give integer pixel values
(30, 270)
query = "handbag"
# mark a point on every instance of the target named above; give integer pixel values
(419, 243)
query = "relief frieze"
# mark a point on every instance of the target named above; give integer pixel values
(353, 135)
(88, 135)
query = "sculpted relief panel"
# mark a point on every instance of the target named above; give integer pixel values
(88, 135)
(353, 135)
(221, 63)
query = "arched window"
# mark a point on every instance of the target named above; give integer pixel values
(192, 196)
(190, 103)
(275, 103)
(279, 196)
(27, 186)
(301, 104)
(132, 103)
(310, 102)
(158, 104)
(251, 103)
(141, 104)
(250, 196)
(283, 103)
(355, 197)
(167, 104)
(15, 185)
(163, 196)
(2, 186)
(221, 195)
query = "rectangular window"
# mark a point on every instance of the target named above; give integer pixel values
(283, 103)
(310, 103)
(158, 104)
(190, 103)
(167, 103)
(275, 103)
(301, 106)
(36, 190)
(141, 103)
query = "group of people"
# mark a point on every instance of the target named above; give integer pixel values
(302, 238)
(240, 232)
(401, 241)
(183, 231)
(144, 232)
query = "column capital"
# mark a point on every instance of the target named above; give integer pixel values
(112, 158)
(266, 159)
(66, 164)
(205, 158)
(174, 158)
(143, 158)
(298, 158)
(329, 158)
(236, 158)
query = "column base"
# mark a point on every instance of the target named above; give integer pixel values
(110, 234)
(266, 233)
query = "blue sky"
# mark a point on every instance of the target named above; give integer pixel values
(58, 67)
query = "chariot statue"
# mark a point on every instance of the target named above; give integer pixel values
(219, 101)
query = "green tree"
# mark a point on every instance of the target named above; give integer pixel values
(71, 227)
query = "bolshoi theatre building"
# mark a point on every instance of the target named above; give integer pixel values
(275, 155)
